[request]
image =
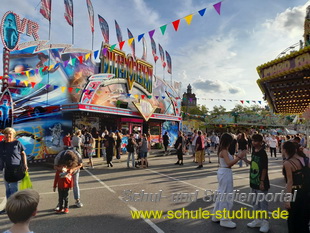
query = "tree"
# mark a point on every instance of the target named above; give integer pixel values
(218, 110)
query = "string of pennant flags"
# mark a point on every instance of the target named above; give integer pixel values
(234, 100)
(175, 24)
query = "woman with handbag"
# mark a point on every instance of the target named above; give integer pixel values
(14, 158)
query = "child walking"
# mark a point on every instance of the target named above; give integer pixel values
(63, 180)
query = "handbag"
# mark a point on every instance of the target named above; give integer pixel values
(14, 173)
(26, 182)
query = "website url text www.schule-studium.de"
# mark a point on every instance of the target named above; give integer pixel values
(242, 213)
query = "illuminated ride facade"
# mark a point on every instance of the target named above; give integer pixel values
(285, 81)
(57, 89)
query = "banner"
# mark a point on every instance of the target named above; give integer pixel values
(104, 29)
(162, 55)
(91, 14)
(69, 11)
(132, 45)
(46, 8)
(144, 55)
(168, 58)
(154, 50)
(118, 32)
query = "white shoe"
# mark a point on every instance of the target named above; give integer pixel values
(214, 219)
(227, 223)
(255, 223)
(265, 226)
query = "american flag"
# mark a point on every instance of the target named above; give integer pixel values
(91, 14)
(46, 8)
(69, 11)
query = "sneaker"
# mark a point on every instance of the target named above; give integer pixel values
(214, 219)
(59, 211)
(265, 226)
(79, 204)
(66, 210)
(255, 223)
(227, 224)
(57, 208)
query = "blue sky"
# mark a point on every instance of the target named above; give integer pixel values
(217, 54)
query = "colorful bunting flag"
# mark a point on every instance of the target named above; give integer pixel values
(140, 37)
(151, 33)
(121, 44)
(96, 54)
(176, 24)
(163, 29)
(202, 12)
(188, 19)
(217, 7)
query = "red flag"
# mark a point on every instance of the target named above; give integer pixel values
(168, 58)
(91, 14)
(69, 11)
(46, 8)
(162, 55)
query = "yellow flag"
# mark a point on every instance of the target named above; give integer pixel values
(26, 83)
(27, 73)
(51, 67)
(63, 89)
(136, 96)
(87, 56)
(130, 41)
(189, 19)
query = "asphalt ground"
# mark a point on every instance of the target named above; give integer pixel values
(103, 192)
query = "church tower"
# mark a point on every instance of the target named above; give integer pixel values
(189, 98)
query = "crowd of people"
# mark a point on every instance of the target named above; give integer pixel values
(233, 149)
(230, 149)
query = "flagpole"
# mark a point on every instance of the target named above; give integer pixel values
(92, 41)
(72, 35)
(49, 51)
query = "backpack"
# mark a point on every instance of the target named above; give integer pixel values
(130, 146)
(306, 177)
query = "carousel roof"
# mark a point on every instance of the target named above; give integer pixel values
(285, 82)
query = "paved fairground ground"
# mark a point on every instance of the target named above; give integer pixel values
(104, 188)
